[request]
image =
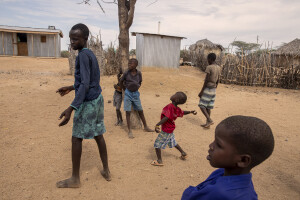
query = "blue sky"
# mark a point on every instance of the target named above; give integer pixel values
(220, 21)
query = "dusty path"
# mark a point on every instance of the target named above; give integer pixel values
(35, 152)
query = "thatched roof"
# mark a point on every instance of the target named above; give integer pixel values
(291, 49)
(205, 43)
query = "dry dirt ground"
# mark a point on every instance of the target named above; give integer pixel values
(35, 152)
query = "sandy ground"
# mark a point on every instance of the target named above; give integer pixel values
(35, 152)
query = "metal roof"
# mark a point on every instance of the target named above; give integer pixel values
(17, 29)
(134, 34)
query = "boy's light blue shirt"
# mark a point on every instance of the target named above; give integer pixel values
(219, 187)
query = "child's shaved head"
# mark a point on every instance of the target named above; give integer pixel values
(252, 136)
(181, 97)
(211, 56)
(134, 60)
(83, 28)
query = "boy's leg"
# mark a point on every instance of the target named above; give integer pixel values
(206, 103)
(127, 109)
(130, 135)
(103, 156)
(74, 181)
(137, 105)
(118, 102)
(206, 112)
(142, 116)
(158, 154)
(183, 154)
(120, 119)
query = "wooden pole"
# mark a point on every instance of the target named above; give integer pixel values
(32, 45)
(3, 43)
(12, 41)
(54, 46)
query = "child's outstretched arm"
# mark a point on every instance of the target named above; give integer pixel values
(162, 121)
(65, 90)
(188, 112)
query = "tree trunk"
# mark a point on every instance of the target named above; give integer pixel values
(126, 13)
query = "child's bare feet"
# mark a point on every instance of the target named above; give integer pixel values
(106, 174)
(207, 125)
(157, 163)
(119, 123)
(130, 135)
(147, 129)
(69, 183)
(183, 156)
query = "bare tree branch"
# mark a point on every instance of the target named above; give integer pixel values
(152, 3)
(130, 14)
(100, 6)
(110, 1)
(85, 2)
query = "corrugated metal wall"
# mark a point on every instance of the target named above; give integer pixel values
(43, 49)
(158, 51)
(50, 48)
(6, 43)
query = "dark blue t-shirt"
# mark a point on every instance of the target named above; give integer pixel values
(219, 187)
(87, 78)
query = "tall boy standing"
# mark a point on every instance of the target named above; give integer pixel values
(131, 81)
(208, 92)
(88, 105)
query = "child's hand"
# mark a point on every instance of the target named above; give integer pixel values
(194, 112)
(67, 114)
(157, 129)
(64, 90)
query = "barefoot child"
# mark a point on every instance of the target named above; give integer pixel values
(117, 102)
(88, 105)
(131, 82)
(208, 92)
(240, 144)
(166, 136)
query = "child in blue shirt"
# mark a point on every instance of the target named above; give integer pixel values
(131, 81)
(241, 143)
(88, 105)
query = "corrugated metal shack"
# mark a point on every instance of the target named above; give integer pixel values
(36, 42)
(155, 50)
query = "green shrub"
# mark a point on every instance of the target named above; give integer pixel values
(65, 54)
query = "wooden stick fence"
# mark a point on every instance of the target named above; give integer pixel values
(263, 69)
